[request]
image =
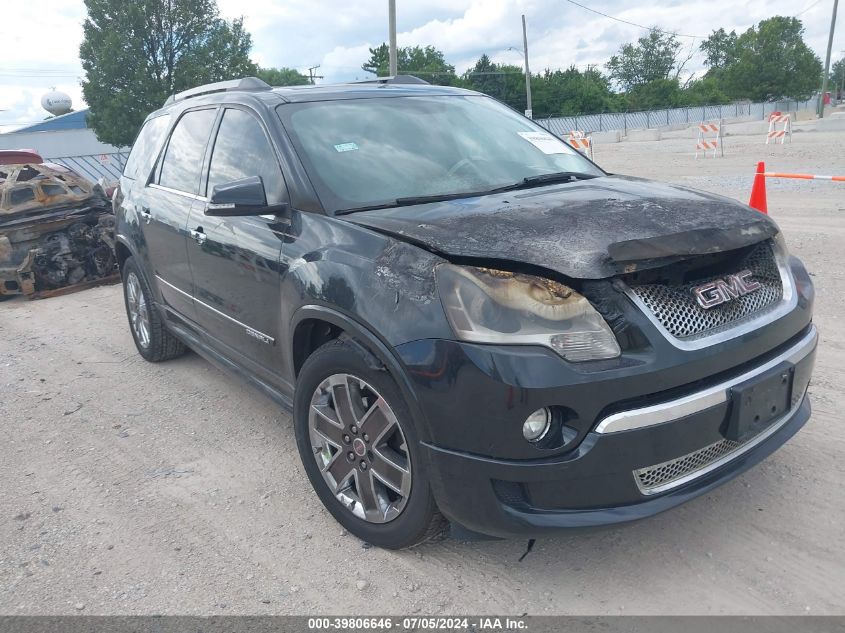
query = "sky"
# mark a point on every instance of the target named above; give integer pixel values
(41, 50)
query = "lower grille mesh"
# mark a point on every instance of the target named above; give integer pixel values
(653, 479)
(660, 474)
(676, 308)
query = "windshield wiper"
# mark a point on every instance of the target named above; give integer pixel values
(412, 200)
(559, 176)
(530, 181)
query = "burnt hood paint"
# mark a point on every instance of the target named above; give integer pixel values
(589, 229)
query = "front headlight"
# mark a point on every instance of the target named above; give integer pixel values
(494, 306)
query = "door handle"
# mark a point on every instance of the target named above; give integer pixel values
(145, 211)
(199, 235)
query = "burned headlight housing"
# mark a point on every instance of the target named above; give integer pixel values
(484, 305)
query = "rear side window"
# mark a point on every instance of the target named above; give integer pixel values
(242, 150)
(53, 190)
(182, 163)
(20, 195)
(146, 147)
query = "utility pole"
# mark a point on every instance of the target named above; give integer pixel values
(528, 110)
(827, 62)
(391, 19)
(311, 74)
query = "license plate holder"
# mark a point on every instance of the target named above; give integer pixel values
(758, 402)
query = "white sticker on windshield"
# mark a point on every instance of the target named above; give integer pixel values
(346, 147)
(545, 142)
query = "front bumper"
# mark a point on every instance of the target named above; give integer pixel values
(632, 464)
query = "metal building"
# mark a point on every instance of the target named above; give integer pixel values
(67, 139)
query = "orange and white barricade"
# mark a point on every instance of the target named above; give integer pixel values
(709, 139)
(581, 142)
(758, 190)
(776, 135)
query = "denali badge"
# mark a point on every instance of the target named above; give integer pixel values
(723, 290)
(259, 335)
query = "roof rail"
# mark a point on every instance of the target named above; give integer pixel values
(394, 79)
(251, 84)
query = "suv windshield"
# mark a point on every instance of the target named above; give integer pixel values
(372, 152)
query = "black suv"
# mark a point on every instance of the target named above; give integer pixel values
(468, 319)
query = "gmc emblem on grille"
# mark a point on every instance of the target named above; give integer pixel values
(721, 291)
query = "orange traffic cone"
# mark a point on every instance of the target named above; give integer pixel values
(758, 190)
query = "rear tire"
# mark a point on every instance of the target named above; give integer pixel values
(360, 449)
(154, 341)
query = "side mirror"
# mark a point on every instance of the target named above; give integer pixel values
(240, 197)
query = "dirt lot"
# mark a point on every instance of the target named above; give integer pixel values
(136, 488)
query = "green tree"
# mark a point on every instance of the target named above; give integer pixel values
(135, 54)
(721, 49)
(501, 81)
(282, 76)
(704, 91)
(656, 56)
(570, 92)
(379, 62)
(837, 74)
(769, 61)
(425, 62)
(657, 93)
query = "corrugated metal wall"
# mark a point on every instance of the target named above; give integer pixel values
(94, 167)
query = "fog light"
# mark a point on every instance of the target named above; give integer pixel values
(537, 425)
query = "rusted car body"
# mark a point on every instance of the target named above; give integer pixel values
(56, 230)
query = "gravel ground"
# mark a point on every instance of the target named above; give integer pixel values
(134, 488)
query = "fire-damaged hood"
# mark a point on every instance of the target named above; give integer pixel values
(589, 229)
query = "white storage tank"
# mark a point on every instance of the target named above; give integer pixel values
(56, 102)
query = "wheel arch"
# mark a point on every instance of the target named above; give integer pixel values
(306, 318)
(124, 248)
(122, 253)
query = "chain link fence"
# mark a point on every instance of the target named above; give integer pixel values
(622, 121)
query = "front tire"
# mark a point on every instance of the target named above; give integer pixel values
(152, 338)
(360, 449)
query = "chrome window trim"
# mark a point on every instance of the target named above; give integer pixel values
(184, 194)
(251, 331)
(782, 308)
(700, 400)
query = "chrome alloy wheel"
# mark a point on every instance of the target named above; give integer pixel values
(360, 448)
(139, 313)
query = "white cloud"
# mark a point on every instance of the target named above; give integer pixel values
(39, 53)
(43, 52)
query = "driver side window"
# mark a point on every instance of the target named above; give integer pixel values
(241, 150)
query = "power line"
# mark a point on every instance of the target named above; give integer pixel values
(10, 76)
(647, 28)
(41, 70)
(807, 9)
(23, 70)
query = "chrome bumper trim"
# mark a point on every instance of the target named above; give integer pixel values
(721, 461)
(701, 400)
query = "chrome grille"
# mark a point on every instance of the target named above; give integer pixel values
(661, 474)
(676, 309)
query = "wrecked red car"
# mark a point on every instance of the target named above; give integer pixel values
(56, 229)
